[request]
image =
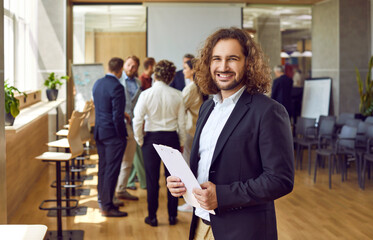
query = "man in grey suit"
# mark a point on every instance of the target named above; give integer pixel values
(132, 88)
(242, 153)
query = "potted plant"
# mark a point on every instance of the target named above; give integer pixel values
(11, 103)
(53, 82)
(366, 92)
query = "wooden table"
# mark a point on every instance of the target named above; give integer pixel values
(22, 232)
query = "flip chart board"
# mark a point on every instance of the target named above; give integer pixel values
(316, 97)
(85, 76)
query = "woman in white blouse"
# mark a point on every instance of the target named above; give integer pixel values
(162, 109)
(193, 99)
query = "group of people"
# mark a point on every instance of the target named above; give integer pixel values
(238, 142)
(154, 112)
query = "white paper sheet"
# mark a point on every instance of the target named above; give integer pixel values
(178, 167)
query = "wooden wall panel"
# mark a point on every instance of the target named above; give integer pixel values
(22, 170)
(89, 47)
(123, 44)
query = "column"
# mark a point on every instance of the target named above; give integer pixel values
(268, 35)
(341, 42)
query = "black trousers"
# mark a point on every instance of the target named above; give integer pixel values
(152, 164)
(110, 153)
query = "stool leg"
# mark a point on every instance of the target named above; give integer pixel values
(67, 189)
(73, 177)
(59, 204)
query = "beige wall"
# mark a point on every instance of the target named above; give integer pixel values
(101, 46)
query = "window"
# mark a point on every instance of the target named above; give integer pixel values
(19, 56)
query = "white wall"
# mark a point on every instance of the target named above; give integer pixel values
(185, 27)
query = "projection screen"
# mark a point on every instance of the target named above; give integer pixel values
(176, 29)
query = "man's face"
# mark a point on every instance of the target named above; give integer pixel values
(130, 67)
(227, 65)
(151, 70)
(186, 60)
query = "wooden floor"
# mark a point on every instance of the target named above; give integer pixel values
(311, 211)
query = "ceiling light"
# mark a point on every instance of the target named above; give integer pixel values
(296, 54)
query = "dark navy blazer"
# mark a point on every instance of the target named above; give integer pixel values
(109, 99)
(252, 165)
(281, 92)
(179, 81)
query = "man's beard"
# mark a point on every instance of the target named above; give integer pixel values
(232, 85)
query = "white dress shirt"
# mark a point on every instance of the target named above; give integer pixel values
(162, 108)
(209, 137)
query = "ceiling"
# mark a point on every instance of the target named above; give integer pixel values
(132, 18)
(277, 2)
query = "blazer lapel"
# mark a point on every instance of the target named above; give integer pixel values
(204, 115)
(242, 106)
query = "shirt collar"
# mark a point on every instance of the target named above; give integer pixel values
(160, 83)
(110, 74)
(234, 98)
(125, 77)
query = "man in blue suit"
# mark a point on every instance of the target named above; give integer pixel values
(110, 135)
(179, 79)
(281, 88)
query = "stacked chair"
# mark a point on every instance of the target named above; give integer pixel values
(76, 149)
(305, 136)
(310, 134)
(367, 156)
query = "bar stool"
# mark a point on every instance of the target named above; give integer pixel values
(76, 149)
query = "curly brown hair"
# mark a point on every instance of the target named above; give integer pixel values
(164, 71)
(257, 78)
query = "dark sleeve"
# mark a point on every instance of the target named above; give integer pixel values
(277, 159)
(118, 104)
(275, 90)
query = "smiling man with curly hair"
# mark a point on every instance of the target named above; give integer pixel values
(242, 154)
(162, 109)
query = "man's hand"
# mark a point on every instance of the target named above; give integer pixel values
(127, 117)
(176, 186)
(206, 196)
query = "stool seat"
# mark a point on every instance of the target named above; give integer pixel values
(62, 132)
(54, 156)
(62, 143)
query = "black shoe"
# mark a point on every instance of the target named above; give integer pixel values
(113, 213)
(132, 188)
(172, 220)
(152, 222)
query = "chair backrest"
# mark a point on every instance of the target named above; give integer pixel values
(303, 124)
(369, 119)
(361, 134)
(327, 126)
(85, 134)
(353, 122)
(92, 115)
(73, 137)
(369, 131)
(350, 133)
(343, 117)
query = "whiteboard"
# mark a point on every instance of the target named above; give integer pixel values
(316, 97)
(176, 29)
(84, 77)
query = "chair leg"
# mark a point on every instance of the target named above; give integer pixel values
(297, 157)
(330, 163)
(358, 169)
(309, 159)
(363, 174)
(316, 162)
(301, 157)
